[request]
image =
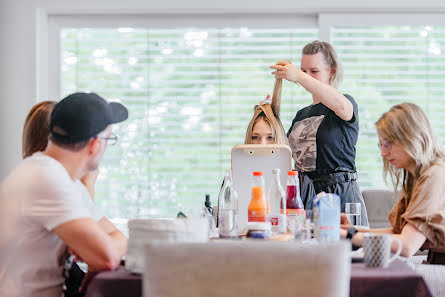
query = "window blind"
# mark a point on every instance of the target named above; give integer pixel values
(384, 66)
(190, 94)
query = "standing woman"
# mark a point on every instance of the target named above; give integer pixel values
(324, 134)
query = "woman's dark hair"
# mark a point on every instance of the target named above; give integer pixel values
(36, 128)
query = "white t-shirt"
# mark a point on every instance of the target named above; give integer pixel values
(49, 198)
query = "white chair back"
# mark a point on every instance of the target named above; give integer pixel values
(244, 269)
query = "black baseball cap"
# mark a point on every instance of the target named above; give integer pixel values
(80, 116)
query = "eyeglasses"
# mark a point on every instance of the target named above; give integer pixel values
(385, 144)
(110, 140)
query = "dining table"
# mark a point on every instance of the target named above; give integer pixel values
(398, 279)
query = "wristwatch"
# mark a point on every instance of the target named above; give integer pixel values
(351, 232)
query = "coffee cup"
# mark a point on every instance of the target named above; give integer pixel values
(377, 249)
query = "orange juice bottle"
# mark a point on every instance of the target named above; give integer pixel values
(258, 206)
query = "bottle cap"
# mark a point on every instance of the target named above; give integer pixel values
(257, 173)
(207, 202)
(293, 173)
(276, 171)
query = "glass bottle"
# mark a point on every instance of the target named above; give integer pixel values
(277, 199)
(227, 208)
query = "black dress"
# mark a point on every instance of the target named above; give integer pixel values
(323, 148)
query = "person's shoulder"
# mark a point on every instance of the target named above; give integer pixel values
(433, 176)
(437, 169)
(41, 172)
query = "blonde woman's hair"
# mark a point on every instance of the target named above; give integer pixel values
(330, 57)
(270, 113)
(406, 124)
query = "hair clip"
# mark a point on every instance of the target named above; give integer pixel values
(266, 101)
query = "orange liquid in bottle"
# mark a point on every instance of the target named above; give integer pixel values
(257, 210)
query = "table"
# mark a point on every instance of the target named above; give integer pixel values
(396, 280)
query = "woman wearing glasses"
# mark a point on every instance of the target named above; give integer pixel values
(415, 163)
(323, 135)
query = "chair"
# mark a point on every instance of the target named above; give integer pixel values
(247, 268)
(378, 205)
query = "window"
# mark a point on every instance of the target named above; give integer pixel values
(384, 66)
(190, 94)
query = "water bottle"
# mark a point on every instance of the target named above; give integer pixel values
(277, 199)
(227, 208)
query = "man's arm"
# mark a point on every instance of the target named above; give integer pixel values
(101, 251)
(119, 239)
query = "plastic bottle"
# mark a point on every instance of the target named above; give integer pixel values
(257, 209)
(227, 208)
(277, 200)
(294, 206)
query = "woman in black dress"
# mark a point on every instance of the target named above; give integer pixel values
(324, 134)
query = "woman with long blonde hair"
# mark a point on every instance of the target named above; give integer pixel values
(415, 162)
(266, 128)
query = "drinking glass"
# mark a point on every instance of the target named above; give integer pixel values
(353, 213)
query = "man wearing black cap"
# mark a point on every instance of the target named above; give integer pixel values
(57, 211)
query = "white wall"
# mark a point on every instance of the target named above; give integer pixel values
(19, 85)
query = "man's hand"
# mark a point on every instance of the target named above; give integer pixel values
(89, 180)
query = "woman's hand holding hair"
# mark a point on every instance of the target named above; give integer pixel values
(289, 72)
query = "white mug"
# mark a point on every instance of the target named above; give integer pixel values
(377, 249)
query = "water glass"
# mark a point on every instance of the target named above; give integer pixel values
(353, 213)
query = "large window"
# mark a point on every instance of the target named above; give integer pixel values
(190, 94)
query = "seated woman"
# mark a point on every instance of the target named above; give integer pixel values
(416, 164)
(35, 137)
(266, 128)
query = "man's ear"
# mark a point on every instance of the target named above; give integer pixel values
(94, 146)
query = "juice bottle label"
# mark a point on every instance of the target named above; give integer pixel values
(295, 211)
(278, 223)
(257, 215)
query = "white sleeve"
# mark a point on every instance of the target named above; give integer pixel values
(56, 200)
(95, 213)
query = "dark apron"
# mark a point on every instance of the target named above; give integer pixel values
(342, 183)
